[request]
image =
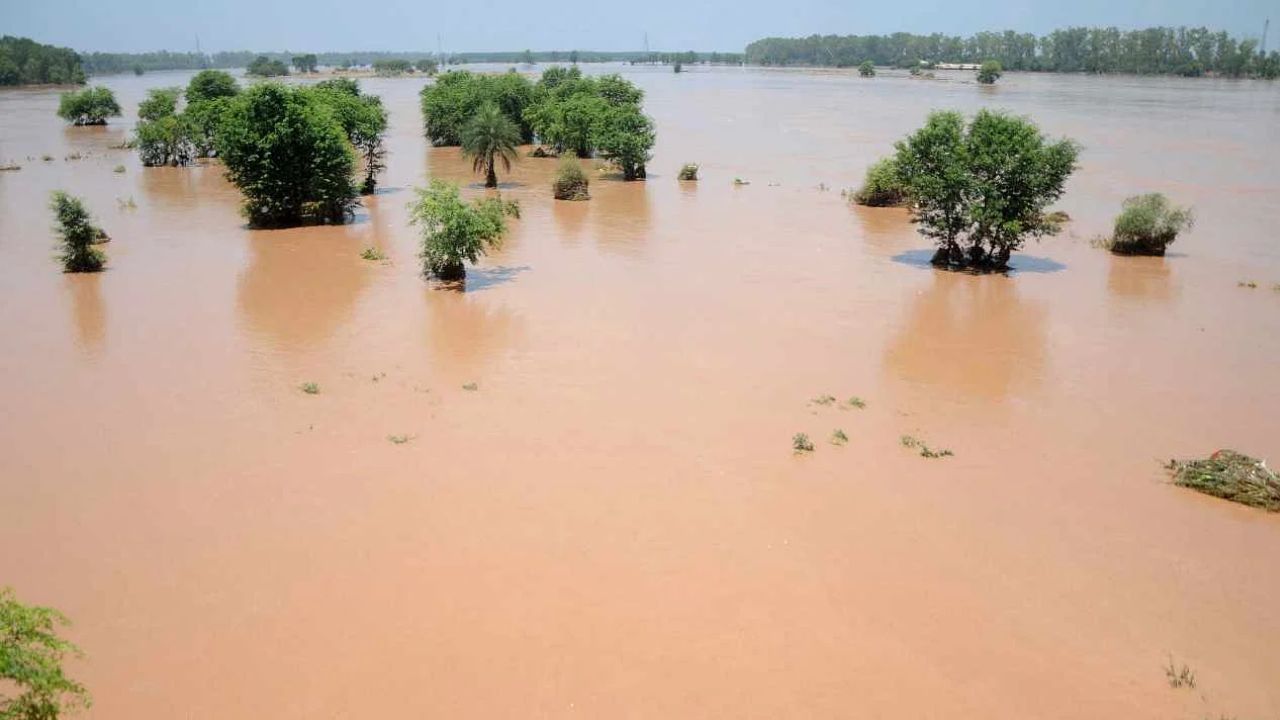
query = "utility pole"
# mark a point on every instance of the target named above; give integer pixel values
(440, 50)
(1266, 25)
(646, 46)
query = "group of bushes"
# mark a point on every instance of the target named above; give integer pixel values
(90, 106)
(564, 111)
(263, 66)
(26, 62)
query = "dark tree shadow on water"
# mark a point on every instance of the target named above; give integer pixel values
(1017, 264)
(478, 279)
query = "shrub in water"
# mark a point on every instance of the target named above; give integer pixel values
(571, 182)
(91, 106)
(77, 234)
(883, 186)
(989, 72)
(689, 171)
(1147, 224)
(456, 232)
(867, 69)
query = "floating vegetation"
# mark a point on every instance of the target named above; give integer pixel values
(399, 439)
(801, 443)
(838, 437)
(74, 156)
(1231, 476)
(372, 253)
(1247, 284)
(925, 451)
(1180, 677)
(126, 144)
(1057, 217)
(471, 386)
(688, 171)
(47, 158)
(824, 400)
(118, 169)
(310, 388)
(740, 181)
(857, 402)
(10, 167)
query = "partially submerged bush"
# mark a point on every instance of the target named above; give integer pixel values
(1232, 476)
(989, 72)
(688, 171)
(571, 182)
(163, 137)
(867, 69)
(1147, 224)
(800, 443)
(883, 186)
(31, 657)
(91, 106)
(76, 234)
(455, 232)
(263, 66)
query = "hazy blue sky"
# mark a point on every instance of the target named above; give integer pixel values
(133, 25)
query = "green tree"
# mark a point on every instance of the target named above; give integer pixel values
(305, 63)
(202, 120)
(527, 57)
(1148, 224)
(211, 85)
(980, 191)
(450, 102)
(159, 103)
(883, 186)
(289, 156)
(455, 232)
(392, 67)
(427, 66)
(625, 136)
(363, 119)
(31, 657)
(91, 106)
(263, 66)
(165, 141)
(867, 69)
(76, 237)
(989, 72)
(488, 138)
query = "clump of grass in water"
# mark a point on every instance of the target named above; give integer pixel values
(1231, 476)
(399, 439)
(10, 167)
(310, 388)
(688, 172)
(1247, 284)
(740, 181)
(801, 443)
(838, 437)
(925, 451)
(47, 158)
(1180, 676)
(372, 253)
(824, 400)
(119, 169)
(857, 402)
(74, 156)
(471, 386)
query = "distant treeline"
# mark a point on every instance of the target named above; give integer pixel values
(1157, 50)
(107, 63)
(26, 62)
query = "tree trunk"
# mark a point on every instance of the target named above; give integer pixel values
(491, 178)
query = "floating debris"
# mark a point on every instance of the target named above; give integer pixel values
(1231, 476)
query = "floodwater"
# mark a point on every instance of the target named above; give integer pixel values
(612, 524)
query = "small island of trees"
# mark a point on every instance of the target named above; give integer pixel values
(90, 106)
(263, 66)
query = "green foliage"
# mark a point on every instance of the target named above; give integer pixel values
(1232, 476)
(372, 254)
(160, 103)
(76, 234)
(980, 190)
(428, 66)
(574, 113)
(399, 439)
(202, 119)
(471, 387)
(288, 154)
(90, 106)
(263, 66)
(1147, 224)
(883, 186)
(1165, 50)
(392, 67)
(310, 388)
(364, 120)
(455, 232)
(857, 402)
(165, 141)
(800, 443)
(449, 103)
(119, 169)
(989, 72)
(824, 400)
(688, 171)
(571, 182)
(211, 85)
(305, 63)
(925, 450)
(26, 62)
(31, 657)
(490, 137)
(838, 437)
(624, 136)
(867, 69)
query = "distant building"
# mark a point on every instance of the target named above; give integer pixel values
(957, 66)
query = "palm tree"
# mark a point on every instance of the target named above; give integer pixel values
(488, 137)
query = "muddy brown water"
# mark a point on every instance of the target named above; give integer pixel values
(613, 524)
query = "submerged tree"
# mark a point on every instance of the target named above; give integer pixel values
(211, 85)
(455, 97)
(1147, 224)
(867, 69)
(263, 66)
(989, 72)
(162, 135)
(571, 182)
(363, 119)
(624, 136)
(289, 156)
(305, 63)
(883, 186)
(208, 95)
(455, 232)
(980, 191)
(488, 138)
(91, 106)
(31, 657)
(76, 236)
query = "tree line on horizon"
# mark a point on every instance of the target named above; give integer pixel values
(26, 62)
(1151, 51)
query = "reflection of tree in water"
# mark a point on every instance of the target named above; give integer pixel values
(569, 217)
(971, 337)
(466, 331)
(88, 311)
(1141, 279)
(886, 230)
(301, 284)
(620, 215)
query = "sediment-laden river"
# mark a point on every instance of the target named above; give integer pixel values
(613, 524)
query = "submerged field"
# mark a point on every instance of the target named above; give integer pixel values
(608, 519)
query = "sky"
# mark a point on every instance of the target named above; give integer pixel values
(479, 25)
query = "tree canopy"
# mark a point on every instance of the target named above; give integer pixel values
(263, 66)
(489, 138)
(26, 62)
(31, 657)
(455, 232)
(76, 238)
(90, 106)
(989, 72)
(305, 63)
(980, 189)
(456, 95)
